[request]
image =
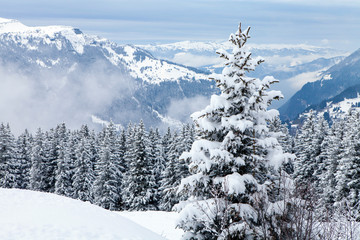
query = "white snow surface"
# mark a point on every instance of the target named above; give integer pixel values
(339, 110)
(162, 223)
(14, 27)
(33, 215)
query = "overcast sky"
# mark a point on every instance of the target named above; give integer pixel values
(333, 23)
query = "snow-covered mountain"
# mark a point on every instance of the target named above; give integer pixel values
(55, 74)
(333, 84)
(42, 45)
(338, 106)
(42, 216)
(65, 74)
(297, 51)
(293, 65)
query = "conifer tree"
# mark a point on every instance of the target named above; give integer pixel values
(183, 143)
(84, 175)
(23, 155)
(321, 134)
(107, 187)
(306, 150)
(348, 174)
(63, 174)
(157, 164)
(284, 138)
(122, 151)
(188, 136)
(333, 151)
(166, 142)
(94, 152)
(129, 147)
(37, 162)
(139, 195)
(170, 178)
(49, 161)
(8, 158)
(230, 163)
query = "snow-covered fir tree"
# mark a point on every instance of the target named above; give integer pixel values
(285, 139)
(230, 163)
(188, 136)
(306, 150)
(121, 152)
(175, 168)
(333, 151)
(63, 175)
(320, 151)
(107, 187)
(9, 164)
(64, 172)
(49, 164)
(348, 172)
(166, 142)
(84, 175)
(23, 155)
(94, 151)
(157, 164)
(170, 178)
(37, 162)
(139, 178)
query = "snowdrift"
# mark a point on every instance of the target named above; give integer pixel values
(43, 216)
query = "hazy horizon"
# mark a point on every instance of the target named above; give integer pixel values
(330, 24)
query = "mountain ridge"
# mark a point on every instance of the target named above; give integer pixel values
(332, 82)
(107, 81)
(145, 85)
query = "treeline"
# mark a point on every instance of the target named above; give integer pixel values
(328, 160)
(132, 169)
(326, 169)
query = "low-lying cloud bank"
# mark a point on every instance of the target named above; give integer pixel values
(44, 98)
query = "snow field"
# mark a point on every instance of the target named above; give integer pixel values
(162, 223)
(29, 215)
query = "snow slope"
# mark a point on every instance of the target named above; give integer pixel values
(32, 215)
(162, 223)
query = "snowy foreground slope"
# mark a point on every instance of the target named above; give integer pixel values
(35, 216)
(162, 223)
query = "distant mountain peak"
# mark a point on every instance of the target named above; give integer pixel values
(5, 20)
(213, 46)
(11, 25)
(116, 79)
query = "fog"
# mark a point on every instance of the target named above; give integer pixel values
(46, 98)
(183, 108)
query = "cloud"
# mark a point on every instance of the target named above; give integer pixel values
(189, 59)
(325, 41)
(48, 98)
(300, 80)
(182, 109)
